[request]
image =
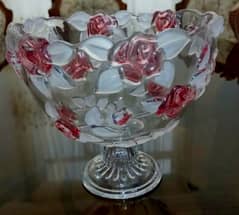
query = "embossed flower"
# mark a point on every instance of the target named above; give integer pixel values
(66, 114)
(65, 123)
(33, 55)
(139, 57)
(79, 66)
(176, 100)
(68, 129)
(164, 20)
(101, 24)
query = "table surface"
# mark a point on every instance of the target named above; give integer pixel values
(199, 160)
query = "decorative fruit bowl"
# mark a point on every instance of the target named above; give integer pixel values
(118, 80)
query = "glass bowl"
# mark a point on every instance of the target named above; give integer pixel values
(117, 80)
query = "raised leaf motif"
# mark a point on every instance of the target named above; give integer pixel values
(123, 17)
(79, 20)
(60, 52)
(57, 79)
(172, 41)
(97, 47)
(109, 81)
(93, 117)
(166, 76)
(51, 110)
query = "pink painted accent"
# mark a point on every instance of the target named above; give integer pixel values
(79, 66)
(121, 55)
(164, 20)
(204, 53)
(101, 24)
(66, 114)
(156, 90)
(121, 117)
(176, 100)
(132, 73)
(68, 129)
(33, 55)
(139, 57)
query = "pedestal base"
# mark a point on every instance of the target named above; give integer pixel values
(121, 173)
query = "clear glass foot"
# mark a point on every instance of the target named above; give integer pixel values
(121, 173)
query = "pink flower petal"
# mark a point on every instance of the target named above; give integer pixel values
(176, 100)
(79, 66)
(121, 55)
(33, 55)
(68, 129)
(66, 114)
(156, 90)
(101, 24)
(132, 73)
(164, 20)
(154, 64)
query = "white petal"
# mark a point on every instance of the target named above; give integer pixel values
(93, 117)
(51, 111)
(79, 20)
(123, 17)
(60, 52)
(97, 47)
(58, 80)
(150, 105)
(166, 76)
(109, 82)
(172, 41)
(139, 91)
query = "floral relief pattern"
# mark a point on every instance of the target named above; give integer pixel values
(101, 24)
(139, 57)
(176, 100)
(113, 67)
(164, 20)
(79, 66)
(33, 55)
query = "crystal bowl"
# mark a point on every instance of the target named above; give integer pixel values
(118, 80)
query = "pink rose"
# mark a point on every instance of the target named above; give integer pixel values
(79, 66)
(101, 24)
(164, 20)
(176, 100)
(33, 55)
(139, 57)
